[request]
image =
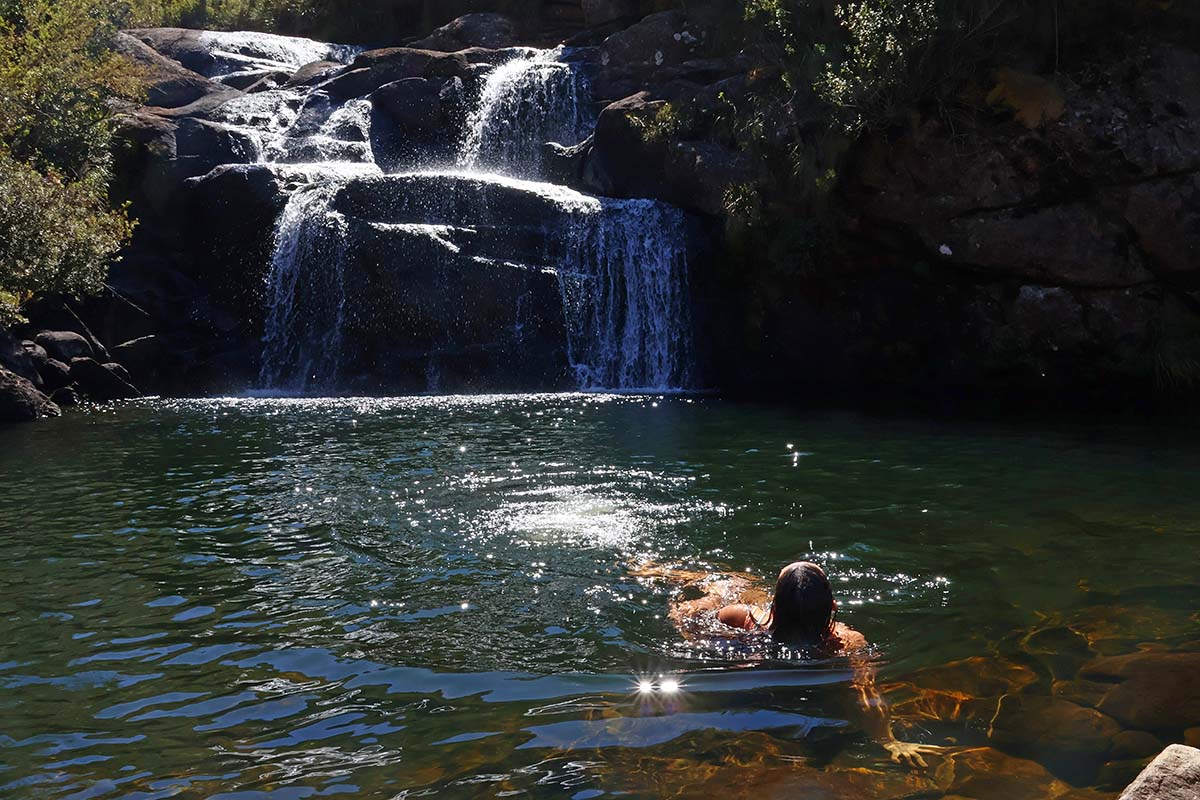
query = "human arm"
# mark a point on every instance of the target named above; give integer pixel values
(877, 718)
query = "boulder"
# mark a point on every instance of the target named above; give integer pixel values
(984, 772)
(658, 40)
(20, 400)
(17, 357)
(168, 83)
(493, 31)
(65, 345)
(374, 68)
(1073, 245)
(600, 12)
(1165, 215)
(1071, 741)
(414, 104)
(1174, 775)
(99, 382)
(54, 374)
(182, 45)
(1128, 745)
(65, 397)
(314, 73)
(232, 211)
(142, 355)
(1152, 691)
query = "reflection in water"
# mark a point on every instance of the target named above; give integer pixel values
(373, 597)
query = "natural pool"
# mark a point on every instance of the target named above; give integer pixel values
(392, 598)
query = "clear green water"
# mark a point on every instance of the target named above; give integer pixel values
(303, 598)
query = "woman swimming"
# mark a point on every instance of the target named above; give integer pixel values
(800, 614)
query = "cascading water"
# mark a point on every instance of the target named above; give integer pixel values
(530, 100)
(457, 258)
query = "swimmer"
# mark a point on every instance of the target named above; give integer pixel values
(800, 614)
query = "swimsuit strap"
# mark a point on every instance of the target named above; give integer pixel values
(755, 624)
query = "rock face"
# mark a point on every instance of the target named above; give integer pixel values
(20, 401)
(1174, 775)
(1030, 267)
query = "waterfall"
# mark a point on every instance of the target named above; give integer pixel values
(625, 290)
(424, 274)
(302, 334)
(530, 100)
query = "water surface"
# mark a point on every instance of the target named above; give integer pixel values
(380, 598)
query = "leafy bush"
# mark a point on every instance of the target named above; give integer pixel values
(58, 81)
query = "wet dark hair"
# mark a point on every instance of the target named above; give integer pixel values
(802, 611)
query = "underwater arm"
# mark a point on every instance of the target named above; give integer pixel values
(877, 717)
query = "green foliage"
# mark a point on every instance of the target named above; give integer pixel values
(56, 235)
(887, 42)
(352, 21)
(59, 80)
(669, 121)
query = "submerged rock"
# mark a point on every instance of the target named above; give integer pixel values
(1070, 740)
(1174, 775)
(1155, 691)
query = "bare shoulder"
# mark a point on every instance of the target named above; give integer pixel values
(736, 616)
(849, 638)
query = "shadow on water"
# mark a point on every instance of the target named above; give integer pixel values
(374, 597)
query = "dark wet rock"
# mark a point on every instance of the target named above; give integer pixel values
(1062, 649)
(1081, 692)
(232, 212)
(314, 73)
(1152, 691)
(1071, 741)
(119, 371)
(65, 345)
(179, 44)
(446, 282)
(987, 774)
(168, 84)
(99, 382)
(1173, 775)
(17, 357)
(599, 12)
(623, 160)
(66, 397)
(414, 104)
(201, 145)
(257, 81)
(20, 400)
(54, 374)
(659, 39)
(981, 676)
(1128, 745)
(142, 356)
(486, 30)
(1165, 216)
(374, 68)
(1070, 244)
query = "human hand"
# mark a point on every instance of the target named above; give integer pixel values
(911, 753)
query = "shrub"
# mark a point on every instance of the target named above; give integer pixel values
(58, 82)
